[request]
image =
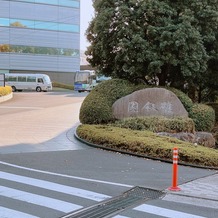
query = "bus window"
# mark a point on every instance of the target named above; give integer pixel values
(12, 79)
(21, 78)
(31, 79)
(40, 80)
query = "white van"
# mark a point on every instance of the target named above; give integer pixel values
(37, 82)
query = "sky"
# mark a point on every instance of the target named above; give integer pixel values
(86, 14)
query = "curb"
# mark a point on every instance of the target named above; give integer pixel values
(138, 155)
(6, 97)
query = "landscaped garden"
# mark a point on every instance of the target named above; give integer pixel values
(140, 135)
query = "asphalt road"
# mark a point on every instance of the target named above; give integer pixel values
(46, 172)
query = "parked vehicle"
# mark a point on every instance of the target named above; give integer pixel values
(37, 82)
(86, 80)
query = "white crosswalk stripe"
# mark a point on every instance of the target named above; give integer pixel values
(5, 213)
(159, 211)
(54, 187)
(164, 212)
(39, 200)
(119, 216)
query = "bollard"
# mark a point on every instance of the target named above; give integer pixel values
(174, 186)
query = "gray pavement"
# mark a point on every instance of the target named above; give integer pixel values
(200, 192)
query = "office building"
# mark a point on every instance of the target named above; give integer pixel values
(41, 36)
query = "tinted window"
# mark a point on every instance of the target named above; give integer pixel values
(31, 79)
(21, 78)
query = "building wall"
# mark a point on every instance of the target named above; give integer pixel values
(37, 36)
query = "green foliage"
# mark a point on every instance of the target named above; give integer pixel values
(175, 42)
(186, 101)
(157, 124)
(97, 109)
(215, 107)
(147, 143)
(61, 85)
(203, 117)
(97, 106)
(5, 90)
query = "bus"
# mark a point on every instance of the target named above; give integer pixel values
(86, 80)
(20, 82)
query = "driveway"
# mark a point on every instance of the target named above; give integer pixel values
(39, 121)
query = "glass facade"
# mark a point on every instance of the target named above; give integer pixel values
(40, 35)
(34, 24)
(67, 3)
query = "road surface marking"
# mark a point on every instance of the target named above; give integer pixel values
(119, 216)
(9, 213)
(164, 212)
(55, 187)
(38, 200)
(66, 176)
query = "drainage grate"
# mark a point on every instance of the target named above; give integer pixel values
(105, 208)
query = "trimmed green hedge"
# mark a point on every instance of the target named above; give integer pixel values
(203, 117)
(147, 143)
(186, 101)
(157, 124)
(214, 105)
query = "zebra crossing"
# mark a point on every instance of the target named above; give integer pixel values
(23, 196)
(16, 188)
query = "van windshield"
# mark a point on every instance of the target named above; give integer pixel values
(46, 79)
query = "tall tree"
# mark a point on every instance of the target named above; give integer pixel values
(174, 41)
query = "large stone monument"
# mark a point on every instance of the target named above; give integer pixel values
(149, 102)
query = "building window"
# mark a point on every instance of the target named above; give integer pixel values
(34, 24)
(67, 3)
(22, 49)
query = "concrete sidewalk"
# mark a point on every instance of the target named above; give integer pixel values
(200, 192)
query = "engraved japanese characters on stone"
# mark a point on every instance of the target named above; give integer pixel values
(149, 107)
(133, 106)
(149, 102)
(166, 108)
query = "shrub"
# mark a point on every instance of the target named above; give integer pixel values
(203, 117)
(5, 90)
(215, 107)
(97, 106)
(186, 101)
(158, 124)
(148, 144)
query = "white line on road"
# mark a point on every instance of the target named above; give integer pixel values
(119, 216)
(66, 176)
(9, 213)
(164, 212)
(39, 200)
(55, 187)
